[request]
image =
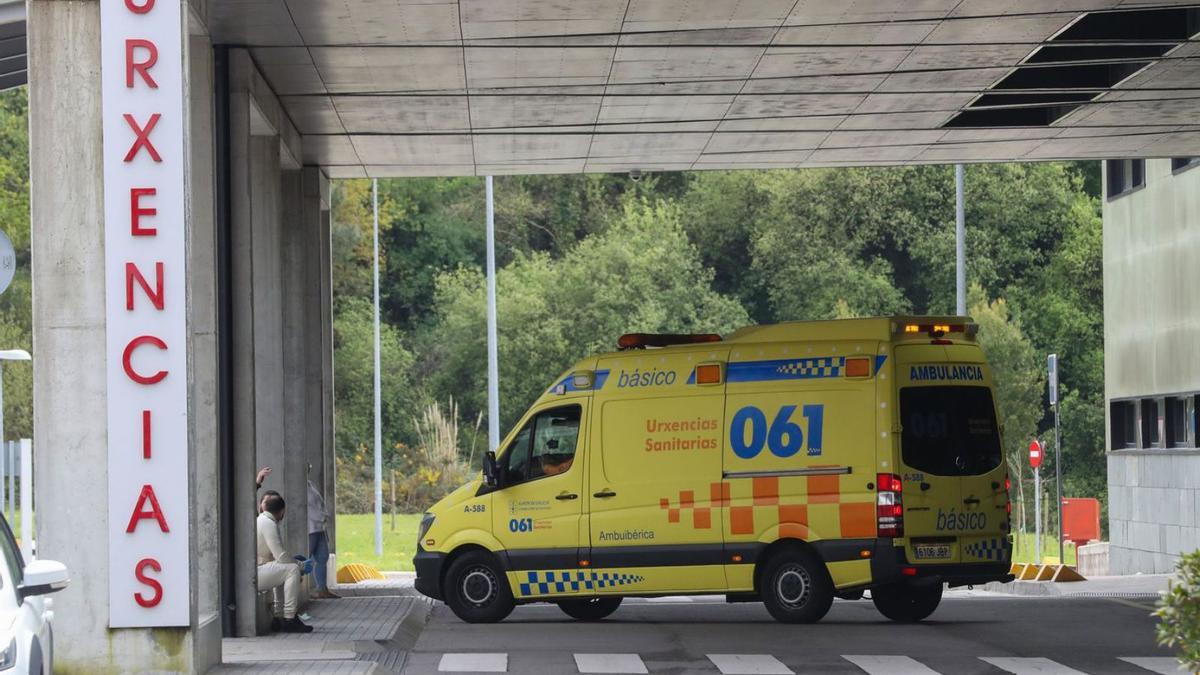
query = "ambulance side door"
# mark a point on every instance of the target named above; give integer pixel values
(654, 499)
(537, 511)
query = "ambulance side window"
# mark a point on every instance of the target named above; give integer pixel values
(544, 447)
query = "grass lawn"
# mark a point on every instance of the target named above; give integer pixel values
(356, 540)
(1023, 548)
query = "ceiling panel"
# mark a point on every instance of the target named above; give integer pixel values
(421, 87)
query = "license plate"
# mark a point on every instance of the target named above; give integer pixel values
(926, 551)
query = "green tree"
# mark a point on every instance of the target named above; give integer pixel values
(1017, 378)
(640, 275)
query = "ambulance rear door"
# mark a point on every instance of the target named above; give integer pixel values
(950, 453)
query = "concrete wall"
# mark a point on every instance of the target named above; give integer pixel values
(1151, 324)
(70, 393)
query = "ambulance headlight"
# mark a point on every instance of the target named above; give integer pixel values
(426, 523)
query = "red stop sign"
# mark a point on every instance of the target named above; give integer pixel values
(1035, 454)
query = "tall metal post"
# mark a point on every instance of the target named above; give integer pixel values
(25, 447)
(960, 242)
(1052, 370)
(1037, 516)
(378, 393)
(492, 354)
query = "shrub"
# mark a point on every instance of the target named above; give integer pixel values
(1179, 611)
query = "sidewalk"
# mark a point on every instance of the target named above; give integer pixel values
(1136, 586)
(368, 631)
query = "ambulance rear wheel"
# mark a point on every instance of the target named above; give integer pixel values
(477, 590)
(795, 587)
(907, 603)
(589, 609)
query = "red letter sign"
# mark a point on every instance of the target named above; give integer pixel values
(155, 512)
(136, 212)
(139, 9)
(140, 67)
(143, 137)
(140, 573)
(127, 359)
(132, 274)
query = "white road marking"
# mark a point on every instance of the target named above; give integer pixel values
(749, 664)
(890, 665)
(1030, 666)
(1166, 665)
(610, 663)
(473, 663)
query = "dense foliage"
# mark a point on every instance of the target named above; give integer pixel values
(584, 259)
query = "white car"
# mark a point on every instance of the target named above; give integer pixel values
(26, 637)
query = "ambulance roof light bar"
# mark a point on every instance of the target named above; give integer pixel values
(937, 330)
(644, 340)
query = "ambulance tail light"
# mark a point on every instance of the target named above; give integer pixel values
(889, 505)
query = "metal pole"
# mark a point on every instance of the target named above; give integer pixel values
(25, 446)
(1037, 516)
(10, 456)
(960, 242)
(1058, 460)
(378, 406)
(493, 357)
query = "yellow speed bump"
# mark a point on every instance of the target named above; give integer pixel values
(1035, 572)
(356, 572)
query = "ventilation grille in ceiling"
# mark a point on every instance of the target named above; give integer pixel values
(1091, 56)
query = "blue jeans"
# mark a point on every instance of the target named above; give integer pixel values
(318, 547)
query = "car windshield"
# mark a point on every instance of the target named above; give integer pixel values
(949, 431)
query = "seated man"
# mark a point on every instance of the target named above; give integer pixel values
(276, 568)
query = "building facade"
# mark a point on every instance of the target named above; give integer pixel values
(1152, 360)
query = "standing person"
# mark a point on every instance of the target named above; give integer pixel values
(318, 542)
(276, 568)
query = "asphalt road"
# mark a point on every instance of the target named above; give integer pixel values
(1052, 636)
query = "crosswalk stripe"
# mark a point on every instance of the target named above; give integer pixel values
(473, 663)
(890, 665)
(1030, 666)
(749, 664)
(1166, 665)
(610, 663)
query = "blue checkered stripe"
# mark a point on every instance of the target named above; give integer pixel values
(988, 549)
(824, 366)
(574, 581)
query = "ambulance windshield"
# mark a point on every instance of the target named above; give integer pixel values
(949, 431)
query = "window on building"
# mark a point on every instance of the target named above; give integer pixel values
(1124, 175)
(1178, 422)
(1180, 163)
(1151, 438)
(1123, 418)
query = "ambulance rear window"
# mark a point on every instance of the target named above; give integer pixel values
(949, 431)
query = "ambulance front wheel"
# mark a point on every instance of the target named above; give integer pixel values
(795, 587)
(477, 590)
(907, 603)
(589, 609)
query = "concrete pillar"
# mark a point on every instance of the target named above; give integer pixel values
(269, 270)
(69, 324)
(328, 473)
(203, 358)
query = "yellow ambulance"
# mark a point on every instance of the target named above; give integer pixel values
(785, 464)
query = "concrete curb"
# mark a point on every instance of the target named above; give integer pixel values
(1050, 589)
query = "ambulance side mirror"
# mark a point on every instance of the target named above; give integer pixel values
(490, 472)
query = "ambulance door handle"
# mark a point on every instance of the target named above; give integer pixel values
(925, 486)
(605, 494)
(971, 500)
(567, 495)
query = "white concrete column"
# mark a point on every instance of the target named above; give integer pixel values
(69, 332)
